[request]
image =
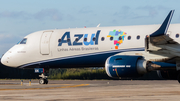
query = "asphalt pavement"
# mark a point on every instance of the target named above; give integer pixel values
(88, 90)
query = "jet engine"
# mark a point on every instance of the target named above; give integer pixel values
(128, 66)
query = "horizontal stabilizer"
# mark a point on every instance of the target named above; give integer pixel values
(164, 27)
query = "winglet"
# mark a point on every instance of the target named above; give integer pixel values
(165, 25)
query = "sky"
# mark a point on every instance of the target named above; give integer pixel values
(19, 18)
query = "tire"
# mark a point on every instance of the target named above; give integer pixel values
(178, 77)
(46, 81)
(41, 81)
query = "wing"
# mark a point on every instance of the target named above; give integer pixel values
(159, 42)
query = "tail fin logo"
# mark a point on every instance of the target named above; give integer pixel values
(118, 37)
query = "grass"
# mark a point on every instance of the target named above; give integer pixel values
(78, 73)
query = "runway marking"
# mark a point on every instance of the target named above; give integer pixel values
(60, 84)
(80, 85)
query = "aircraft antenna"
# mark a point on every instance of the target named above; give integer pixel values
(98, 25)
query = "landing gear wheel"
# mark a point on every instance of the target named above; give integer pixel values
(43, 78)
(46, 81)
(178, 77)
(41, 81)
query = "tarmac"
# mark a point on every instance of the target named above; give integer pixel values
(90, 90)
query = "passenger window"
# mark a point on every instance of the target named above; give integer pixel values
(94, 39)
(102, 39)
(138, 37)
(76, 39)
(177, 35)
(59, 40)
(129, 37)
(68, 40)
(111, 38)
(120, 38)
(23, 41)
(85, 39)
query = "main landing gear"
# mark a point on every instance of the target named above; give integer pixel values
(43, 78)
(178, 76)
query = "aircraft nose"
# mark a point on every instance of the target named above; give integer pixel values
(9, 60)
(4, 61)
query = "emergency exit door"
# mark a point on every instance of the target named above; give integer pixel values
(45, 43)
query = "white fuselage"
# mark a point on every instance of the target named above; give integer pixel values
(62, 47)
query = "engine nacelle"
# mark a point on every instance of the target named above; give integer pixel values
(125, 66)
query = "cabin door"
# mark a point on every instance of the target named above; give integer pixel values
(45, 43)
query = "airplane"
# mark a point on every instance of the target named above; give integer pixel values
(124, 51)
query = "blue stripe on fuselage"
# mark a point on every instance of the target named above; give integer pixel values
(84, 60)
